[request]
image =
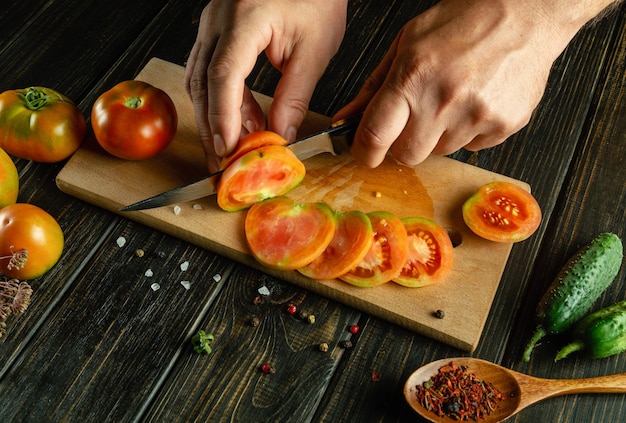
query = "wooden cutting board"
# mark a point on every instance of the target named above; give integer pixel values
(435, 189)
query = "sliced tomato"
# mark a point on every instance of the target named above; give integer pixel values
(250, 142)
(387, 255)
(503, 212)
(430, 253)
(352, 240)
(286, 235)
(264, 172)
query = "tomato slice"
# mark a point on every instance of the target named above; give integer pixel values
(265, 172)
(353, 238)
(503, 212)
(250, 142)
(385, 259)
(286, 235)
(430, 253)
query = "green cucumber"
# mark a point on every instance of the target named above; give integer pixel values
(582, 280)
(600, 334)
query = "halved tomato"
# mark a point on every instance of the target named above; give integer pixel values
(430, 253)
(250, 142)
(264, 172)
(352, 240)
(286, 235)
(387, 255)
(503, 212)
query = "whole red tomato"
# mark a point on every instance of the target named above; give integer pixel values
(31, 241)
(134, 120)
(40, 124)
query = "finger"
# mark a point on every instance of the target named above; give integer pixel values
(461, 127)
(300, 74)
(383, 121)
(418, 138)
(252, 116)
(189, 68)
(492, 132)
(482, 141)
(196, 86)
(234, 58)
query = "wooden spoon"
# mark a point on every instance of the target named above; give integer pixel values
(518, 390)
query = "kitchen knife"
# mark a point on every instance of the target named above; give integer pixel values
(333, 140)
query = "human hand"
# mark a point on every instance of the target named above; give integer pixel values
(299, 39)
(462, 74)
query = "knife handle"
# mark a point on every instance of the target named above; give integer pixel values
(346, 126)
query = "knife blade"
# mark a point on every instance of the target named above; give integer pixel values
(333, 140)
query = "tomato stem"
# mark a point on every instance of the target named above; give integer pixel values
(34, 99)
(133, 102)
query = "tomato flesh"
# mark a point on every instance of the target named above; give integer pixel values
(265, 172)
(429, 255)
(352, 240)
(502, 212)
(286, 235)
(250, 142)
(387, 255)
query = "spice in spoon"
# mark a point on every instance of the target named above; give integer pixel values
(458, 394)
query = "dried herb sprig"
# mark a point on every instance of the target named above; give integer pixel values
(14, 300)
(17, 259)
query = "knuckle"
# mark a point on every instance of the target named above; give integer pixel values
(197, 86)
(372, 140)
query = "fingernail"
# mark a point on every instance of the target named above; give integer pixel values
(218, 145)
(291, 133)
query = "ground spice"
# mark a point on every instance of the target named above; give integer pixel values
(458, 394)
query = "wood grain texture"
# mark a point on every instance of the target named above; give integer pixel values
(77, 355)
(210, 389)
(435, 189)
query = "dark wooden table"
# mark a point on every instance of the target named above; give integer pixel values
(97, 344)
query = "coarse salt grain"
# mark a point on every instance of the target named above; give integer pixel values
(155, 286)
(121, 241)
(264, 291)
(149, 273)
(184, 266)
(217, 277)
(197, 207)
(176, 210)
(185, 284)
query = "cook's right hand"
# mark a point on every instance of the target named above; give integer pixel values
(299, 39)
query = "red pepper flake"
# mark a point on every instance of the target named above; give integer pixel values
(376, 376)
(267, 368)
(458, 394)
(354, 329)
(291, 309)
